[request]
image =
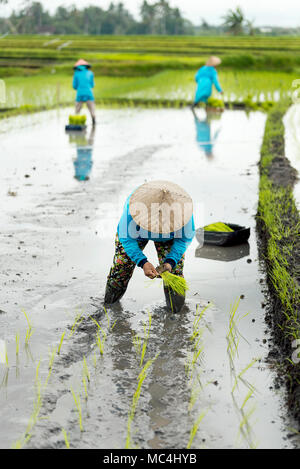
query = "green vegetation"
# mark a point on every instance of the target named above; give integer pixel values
(278, 223)
(244, 411)
(175, 283)
(140, 346)
(77, 120)
(219, 226)
(145, 70)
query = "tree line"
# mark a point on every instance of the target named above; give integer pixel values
(156, 18)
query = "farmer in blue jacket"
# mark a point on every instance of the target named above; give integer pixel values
(158, 211)
(206, 77)
(83, 83)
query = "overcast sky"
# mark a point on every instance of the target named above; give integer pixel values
(263, 12)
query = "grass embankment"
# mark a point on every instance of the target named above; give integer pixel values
(278, 224)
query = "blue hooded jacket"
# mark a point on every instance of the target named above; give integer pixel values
(129, 233)
(83, 82)
(206, 77)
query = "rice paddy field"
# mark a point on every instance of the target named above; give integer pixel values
(74, 374)
(38, 70)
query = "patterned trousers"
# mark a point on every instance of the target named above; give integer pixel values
(123, 267)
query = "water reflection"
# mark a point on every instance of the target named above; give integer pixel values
(203, 132)
(224, 254)
(83, 163)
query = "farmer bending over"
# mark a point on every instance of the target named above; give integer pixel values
(158, 211)
(206, 77)
(83, 82)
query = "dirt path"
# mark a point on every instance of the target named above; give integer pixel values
(56, 248)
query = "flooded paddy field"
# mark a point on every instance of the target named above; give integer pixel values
(57, 245)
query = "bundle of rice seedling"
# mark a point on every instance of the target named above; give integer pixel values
(77, 120)
(175, 283)
(214, 102)
(219, 226)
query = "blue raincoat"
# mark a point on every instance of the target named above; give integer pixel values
(129, 233)
(205, 78)
(83, 82)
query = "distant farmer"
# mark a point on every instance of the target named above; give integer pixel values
(206, 77)
(83, 82)
(158, 211)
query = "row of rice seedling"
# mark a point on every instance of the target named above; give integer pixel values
(40, 386)
(278, 224)
(244, 411)
(140, 346)
(145, 43)
(193, 370)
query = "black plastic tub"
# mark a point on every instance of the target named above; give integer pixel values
(240, 235)
(73, 127)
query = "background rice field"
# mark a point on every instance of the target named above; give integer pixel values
(38, 70)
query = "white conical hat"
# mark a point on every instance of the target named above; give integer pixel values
(213, 61)
(161, 207)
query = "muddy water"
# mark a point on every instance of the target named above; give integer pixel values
(292, 142)
(61, 200)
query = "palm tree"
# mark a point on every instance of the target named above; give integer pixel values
(234, 21)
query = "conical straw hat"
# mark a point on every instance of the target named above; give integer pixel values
(161, 207)
(213, 61)
(82, 62)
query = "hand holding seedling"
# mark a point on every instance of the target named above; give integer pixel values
(164, 268)
(149, 270)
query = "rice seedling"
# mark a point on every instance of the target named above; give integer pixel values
(77, 120)
(245, 428)
(29, 330)
(99, 327)
(218, 227)
(248, 396)
(175, 283)
(137, 343)
(78, 408)
(33, 418)
(85, 388)
(37, 372)
(240, 377)
(95, 360)
(141, 378)
(77, 322)
(50, 365)
(60, 343)
(195, 428)
(197, 344)
(195, 393)
(86, 370)
(233, 336)
(17, 343)
(4, 381)
(3, 353)
(100, 343)
(65, 438)
(145, 340)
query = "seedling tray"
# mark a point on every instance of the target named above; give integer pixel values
(240, 235)
(73, 127)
